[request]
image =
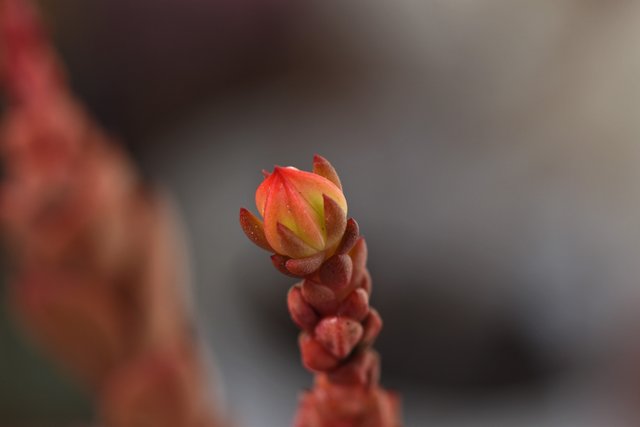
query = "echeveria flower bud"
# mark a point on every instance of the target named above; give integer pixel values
(306, 228)
(305, 215)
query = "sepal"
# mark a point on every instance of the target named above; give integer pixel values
(254, 229)
(322, 167)
(293, 245)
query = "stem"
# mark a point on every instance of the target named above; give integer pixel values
(331, 306)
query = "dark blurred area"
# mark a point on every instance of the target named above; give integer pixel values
(489, 150)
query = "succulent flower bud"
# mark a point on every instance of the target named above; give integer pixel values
(305, 215)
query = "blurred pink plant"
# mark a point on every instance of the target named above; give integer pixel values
(98, 274)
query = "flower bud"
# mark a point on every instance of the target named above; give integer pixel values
(305, 213)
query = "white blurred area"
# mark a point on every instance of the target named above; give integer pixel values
(490, 151)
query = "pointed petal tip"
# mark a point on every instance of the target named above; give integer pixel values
(317, 158)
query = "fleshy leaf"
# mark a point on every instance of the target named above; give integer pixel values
(356, 305)
(372, 327)
(322, 298)
(363, 368)
(336, 271)
(314, 356)
(339, 335)
(359, 253)
(301, 312)
(305, 266)
(365, 282)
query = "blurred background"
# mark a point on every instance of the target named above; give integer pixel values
(490, 151)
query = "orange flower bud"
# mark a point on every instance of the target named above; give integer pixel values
(305, 214)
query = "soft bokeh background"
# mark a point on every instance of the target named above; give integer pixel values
(490, 151)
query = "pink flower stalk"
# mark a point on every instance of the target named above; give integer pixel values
(96, 255)
(305, 225)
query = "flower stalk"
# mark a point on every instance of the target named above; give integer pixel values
(306, 227)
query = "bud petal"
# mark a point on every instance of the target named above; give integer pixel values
(291, 244)
(285, 205)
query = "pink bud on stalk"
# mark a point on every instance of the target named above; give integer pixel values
(305, 215)
(306, 228)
